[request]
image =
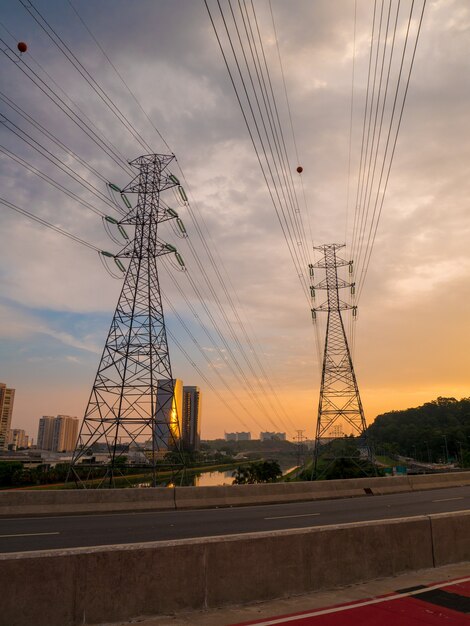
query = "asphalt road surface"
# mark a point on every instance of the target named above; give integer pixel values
(43, 533)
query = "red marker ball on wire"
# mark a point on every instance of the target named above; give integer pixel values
(22, 47)
(300, 169)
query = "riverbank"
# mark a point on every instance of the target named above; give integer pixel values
(163, 479)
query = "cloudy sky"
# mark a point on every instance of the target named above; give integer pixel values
(56, 301)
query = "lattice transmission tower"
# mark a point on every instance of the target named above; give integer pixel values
(132, 407)
(340, 411)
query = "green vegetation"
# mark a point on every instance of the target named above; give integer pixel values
(435, 432)
(387, 461)
(340, 459)
(9, 472)
(14, 474)
(343, 468)
(38, 480)
(259, 472)
(343, 459)
(428, 433)
(285, 452)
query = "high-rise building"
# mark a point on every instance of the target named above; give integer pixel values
(7, 397)
(237, 436)
(272, 436)
(65, 433)
(191, 423)
(58, 434)
(168, 426)
(45, 432)
(243, 436)
(17, 438)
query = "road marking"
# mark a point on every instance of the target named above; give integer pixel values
(28, 535)
(289, 516)
(448, 499)
(357, 605)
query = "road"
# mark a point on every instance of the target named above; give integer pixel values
(42, 533)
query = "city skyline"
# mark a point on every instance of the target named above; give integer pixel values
(56, 304)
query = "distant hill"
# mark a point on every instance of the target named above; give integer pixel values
(425, 431)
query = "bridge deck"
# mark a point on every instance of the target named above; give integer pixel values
(437, 604)
(407, 610)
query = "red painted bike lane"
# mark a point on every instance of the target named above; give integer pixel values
(446, 603)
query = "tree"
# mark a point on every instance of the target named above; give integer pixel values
(260, 472)
(7, 471)
(426, 431)
(268, 471)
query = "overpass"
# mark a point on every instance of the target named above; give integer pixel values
(312, 541)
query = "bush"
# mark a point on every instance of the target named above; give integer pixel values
(260, 472)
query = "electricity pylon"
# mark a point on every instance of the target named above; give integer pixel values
(340, 411)
(125, 414)
(299, 439)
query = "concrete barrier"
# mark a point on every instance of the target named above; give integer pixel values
(239, 495)
(451, 537)
(276, 493)
(112, 583)
(74, 501)
(439, 481)
(70, 501)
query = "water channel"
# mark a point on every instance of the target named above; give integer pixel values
(204, 479)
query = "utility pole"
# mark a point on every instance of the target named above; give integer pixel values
(340, 404)
(447, 449)
(124, 413)
(300, 447)
(429, 452)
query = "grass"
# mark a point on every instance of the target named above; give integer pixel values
(386, 460)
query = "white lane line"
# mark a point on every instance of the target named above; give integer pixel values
(27, 535)
(357, 605)
(448, 499)
(289, 516)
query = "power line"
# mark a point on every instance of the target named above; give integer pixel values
(377, 143)
(370, 246)
(221, 280)
(131, 93)
(252, 138)
(286, 160)
(66, 51)
(47, 224)
(4, 98)
(193, 217)
(50, 180)
(220, 277)
(211, 365)
(351, 118)
(316, 333)
(24, 136)
(65, 108)
(360, 174)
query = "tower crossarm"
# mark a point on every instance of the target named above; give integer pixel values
(340, 284)
(341, 306)
(152, 250)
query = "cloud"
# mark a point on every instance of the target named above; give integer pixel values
(16, 323)
(414, 306)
